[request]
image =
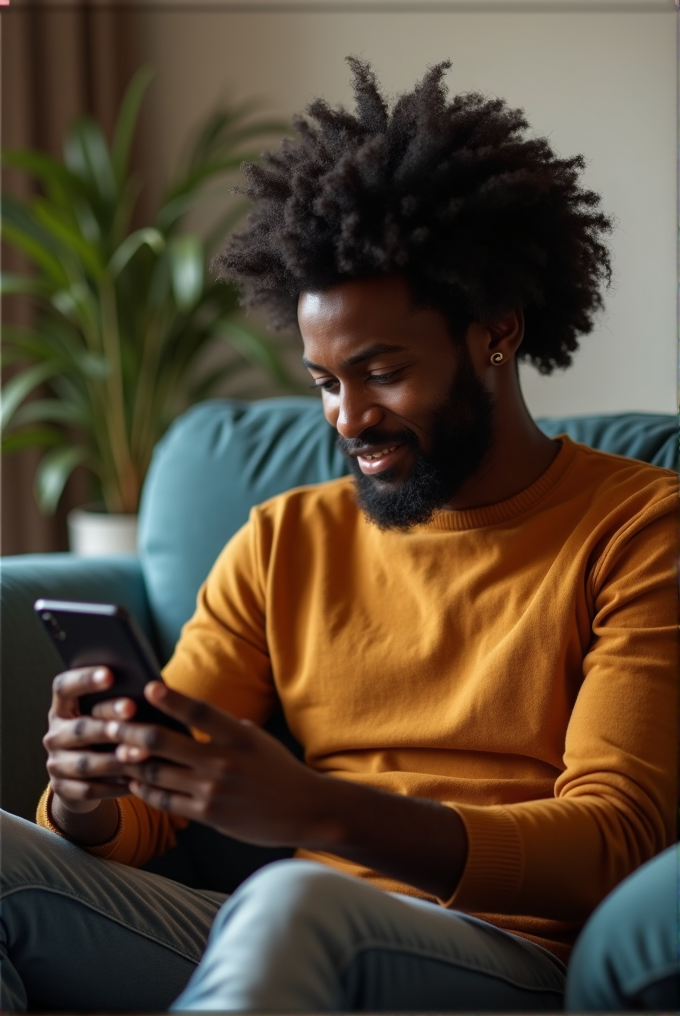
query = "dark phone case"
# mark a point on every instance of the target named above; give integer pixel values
(104, 634)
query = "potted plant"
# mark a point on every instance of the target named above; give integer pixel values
(124, 316)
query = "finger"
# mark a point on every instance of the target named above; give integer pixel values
(166, 800)
(131, 754)
(112, 709)
(163, 776)
(147, 739)
(68, 686)
(222, 727)
(85, 765)
(82, 790)
(78, 733)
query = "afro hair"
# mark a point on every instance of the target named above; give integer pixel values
(456, 195)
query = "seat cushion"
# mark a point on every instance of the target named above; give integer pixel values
(224, 456)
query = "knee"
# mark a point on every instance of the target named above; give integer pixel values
(27, 850)
(629, 943)
(287, 896)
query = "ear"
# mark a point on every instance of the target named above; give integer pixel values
(503, 336)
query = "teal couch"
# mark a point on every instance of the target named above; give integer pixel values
(214, 463)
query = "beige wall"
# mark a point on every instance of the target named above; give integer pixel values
(598, 83)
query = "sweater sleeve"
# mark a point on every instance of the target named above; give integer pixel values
(614, 803)
(221, 657)
(143, 832)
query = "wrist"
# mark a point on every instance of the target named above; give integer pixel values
(324, 824)
(86, 828)
(416, 841)
(64, 805)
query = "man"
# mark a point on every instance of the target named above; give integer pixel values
(472, 637)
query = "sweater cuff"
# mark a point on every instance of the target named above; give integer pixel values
(493, 872)
(44, 819)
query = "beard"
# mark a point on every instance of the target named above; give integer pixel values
(461, 433)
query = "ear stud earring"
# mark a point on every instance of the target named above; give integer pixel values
(497, 357)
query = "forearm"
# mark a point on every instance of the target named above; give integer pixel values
(419, 842)
(88, 829)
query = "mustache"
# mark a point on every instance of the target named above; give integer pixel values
(373, 438)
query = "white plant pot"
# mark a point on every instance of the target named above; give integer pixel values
(92, 532)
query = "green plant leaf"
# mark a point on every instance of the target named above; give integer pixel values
(127, 121)
(72, 389)
(25, 344)
(78, 305)
(55, 176)
(20, 386)
(198, 176)
(186, 270)
(172, 210)
(86, 154)
(52, 473)
(40, 437)
(225, 224)
(153, 309)
(11, 284)
(68, 239)
(39, 251)
(49, 411)
(210, 134)
(88, 224)
(94, 366)
(129, 247)
(120, 223)
(255, 129)
(257, 349)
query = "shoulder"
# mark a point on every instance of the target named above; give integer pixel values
(622, 486)
(624, 511)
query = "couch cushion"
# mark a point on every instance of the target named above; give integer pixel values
(224, 456)
(644, 436)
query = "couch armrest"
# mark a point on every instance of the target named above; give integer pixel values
(29, 662)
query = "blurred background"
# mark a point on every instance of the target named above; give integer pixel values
(596, 78)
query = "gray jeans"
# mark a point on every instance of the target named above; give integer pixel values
(78, 933)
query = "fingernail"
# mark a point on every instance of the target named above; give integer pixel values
(100, 675)
(112, 729)
(120, 708)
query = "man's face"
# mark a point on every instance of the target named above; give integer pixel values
(413, 418)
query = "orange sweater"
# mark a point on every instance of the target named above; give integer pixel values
(515, 662)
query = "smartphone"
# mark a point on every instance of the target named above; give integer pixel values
(104, 634)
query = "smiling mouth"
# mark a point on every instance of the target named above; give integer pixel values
(378, 461)
(377, 455)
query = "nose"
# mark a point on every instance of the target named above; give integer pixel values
(352, 412)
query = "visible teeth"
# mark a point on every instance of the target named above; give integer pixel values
(379, 455)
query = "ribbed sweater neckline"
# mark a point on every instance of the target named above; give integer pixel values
(503, 511)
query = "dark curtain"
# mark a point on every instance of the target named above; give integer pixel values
(57, 62)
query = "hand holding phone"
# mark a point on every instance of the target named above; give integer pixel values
(105, 635)
(109, 662)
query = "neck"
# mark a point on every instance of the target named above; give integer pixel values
(520, 452)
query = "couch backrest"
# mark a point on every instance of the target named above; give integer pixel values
(224, 456)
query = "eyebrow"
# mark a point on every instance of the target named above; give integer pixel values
(366, 354)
